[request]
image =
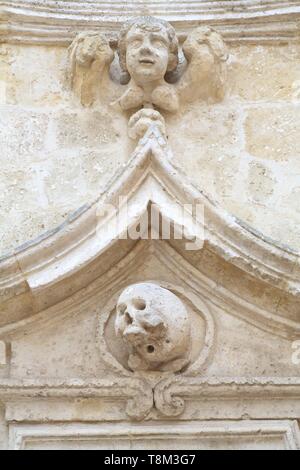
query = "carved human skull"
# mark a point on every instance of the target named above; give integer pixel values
(155, 325)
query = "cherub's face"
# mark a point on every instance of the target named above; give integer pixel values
(147, 54)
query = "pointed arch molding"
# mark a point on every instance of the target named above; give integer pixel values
(56, 22)
(57, 266)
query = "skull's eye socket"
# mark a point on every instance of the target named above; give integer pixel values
(122, 309)
(139, 304)
(150, 349)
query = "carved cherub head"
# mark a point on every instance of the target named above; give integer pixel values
(148, 49)
(155, 325)
(149, 56)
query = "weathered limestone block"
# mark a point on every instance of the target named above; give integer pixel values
(261, 182)
(206, 142)
(87, 129)
(36, 87)
(272, 133)
(291, 200)
(265, 73)
(22, 134)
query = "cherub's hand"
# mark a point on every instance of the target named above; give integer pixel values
(206, 54)
(141, 121)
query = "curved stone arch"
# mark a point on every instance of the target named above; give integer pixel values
(56, 266)
(57, 22)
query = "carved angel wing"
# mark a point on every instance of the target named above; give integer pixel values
(205, 76)
(90, 57)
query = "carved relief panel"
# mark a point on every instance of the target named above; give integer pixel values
(146, 334)
(158, 73)
(119, 330)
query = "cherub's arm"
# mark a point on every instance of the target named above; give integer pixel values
(205, 76)
(90, 57)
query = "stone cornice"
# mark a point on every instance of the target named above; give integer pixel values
(216, 396)
(52, 22)
(200, 387)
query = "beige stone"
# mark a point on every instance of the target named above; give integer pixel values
(88, 129)
(272, 132)
(148, 53)
(38, 87)
(154, 302)
(265, 73)
(261, 182)
(155, 326)
(3, 358)
(198, 160)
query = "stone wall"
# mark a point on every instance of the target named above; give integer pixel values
(155, 342)
(57, 156)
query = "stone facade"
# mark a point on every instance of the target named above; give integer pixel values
(157, 337)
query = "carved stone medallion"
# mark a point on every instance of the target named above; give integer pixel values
(145, 333)
(155, 326)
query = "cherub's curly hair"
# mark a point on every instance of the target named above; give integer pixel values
(149, 23)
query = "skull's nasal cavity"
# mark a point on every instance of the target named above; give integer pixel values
(129, 319)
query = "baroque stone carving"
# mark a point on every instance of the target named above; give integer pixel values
(148, 49)
(90, 54)
(155, 325)
(159, 75)
(141, 121)
(66, 377)
(145, 334)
